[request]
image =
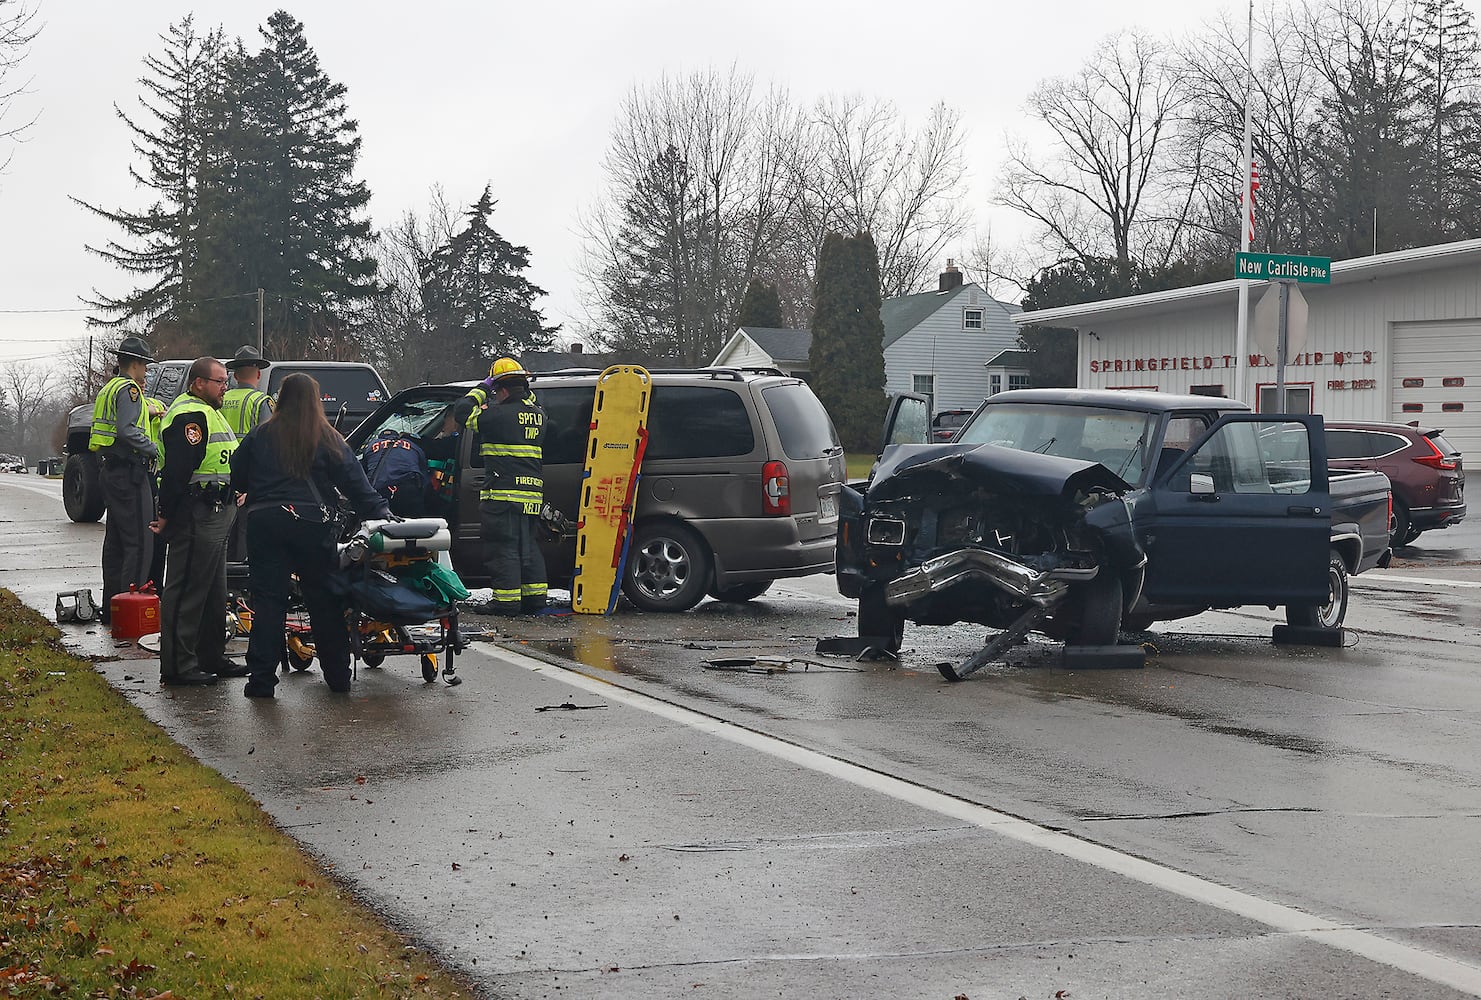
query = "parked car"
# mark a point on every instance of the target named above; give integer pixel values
(350, 392)
(739, 482)
(1080, 512)
(945, 423)
(1426, 471)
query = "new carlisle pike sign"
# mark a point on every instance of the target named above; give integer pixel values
(1283, 267)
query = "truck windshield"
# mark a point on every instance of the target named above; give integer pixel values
(1117, 439)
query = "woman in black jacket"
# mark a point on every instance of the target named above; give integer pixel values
(292, 468)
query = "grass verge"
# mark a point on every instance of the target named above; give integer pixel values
(131, 870)
(859, 466)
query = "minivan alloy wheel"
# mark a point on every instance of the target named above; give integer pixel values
(668, 568)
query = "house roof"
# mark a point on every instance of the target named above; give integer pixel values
(904, 313)
(1008, 359)
(1385, 265)
(785, 346)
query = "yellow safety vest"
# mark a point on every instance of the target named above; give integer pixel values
(221, 441)
(239, 405)
(104, 432)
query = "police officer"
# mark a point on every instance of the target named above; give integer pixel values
(155, 408)
(196, 510)
(508, 427)
(120, 437)
(246, 406)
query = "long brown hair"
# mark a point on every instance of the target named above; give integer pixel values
(298, 426)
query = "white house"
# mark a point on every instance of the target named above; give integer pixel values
(766, 347)
(936, 343)
(1394, 336)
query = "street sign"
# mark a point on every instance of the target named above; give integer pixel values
(1283, 267)
(1265, 321)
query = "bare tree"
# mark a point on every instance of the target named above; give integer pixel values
(700, 194)
(28, 388)
(1112, 188)
(871, 173)
(17, 30)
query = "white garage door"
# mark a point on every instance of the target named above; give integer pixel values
(1437, 381)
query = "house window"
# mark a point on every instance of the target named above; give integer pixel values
(925, 385)
(995, 385)
(971, 319)
(1019, 381)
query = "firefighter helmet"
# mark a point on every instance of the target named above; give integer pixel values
(506, 368)
(133, 347)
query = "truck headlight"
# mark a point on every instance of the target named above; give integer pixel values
(886, 531)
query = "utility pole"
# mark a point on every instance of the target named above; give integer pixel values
(260, 348)
(1241, 333)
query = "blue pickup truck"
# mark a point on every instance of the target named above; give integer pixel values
(1085, 512)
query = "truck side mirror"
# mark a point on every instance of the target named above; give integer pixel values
(1201, 484)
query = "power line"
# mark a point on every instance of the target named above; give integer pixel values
(83, 309)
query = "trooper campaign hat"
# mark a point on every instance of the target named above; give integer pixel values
(133, 347)
(247, 356)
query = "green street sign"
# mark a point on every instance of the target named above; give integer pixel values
(1283, 267)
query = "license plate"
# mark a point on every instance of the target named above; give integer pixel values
(828, 508)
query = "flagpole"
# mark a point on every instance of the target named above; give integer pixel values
(1246, 206)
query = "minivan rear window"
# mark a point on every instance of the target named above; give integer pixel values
(690, 421)
(801, 422)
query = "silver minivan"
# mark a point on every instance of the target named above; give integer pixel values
(739, 482)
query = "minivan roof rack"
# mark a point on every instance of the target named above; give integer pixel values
(729, 374)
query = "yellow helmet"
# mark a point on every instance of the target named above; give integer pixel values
(507, 368)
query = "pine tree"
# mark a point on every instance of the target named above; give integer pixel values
(478, 302)
(847, 353)
(1450, 67)
(164, 249)
(761, 307)
(283, 210)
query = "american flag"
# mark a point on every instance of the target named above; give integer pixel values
(1254, 186)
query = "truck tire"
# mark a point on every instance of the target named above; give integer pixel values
(1095, 610)
(1330, 614)
(877, 620)
(82, 494)
(1401, 533)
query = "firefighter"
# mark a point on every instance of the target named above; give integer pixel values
(508, 426)
(120, 437)
(244, 408)
(196, 510)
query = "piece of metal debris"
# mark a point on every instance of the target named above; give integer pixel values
(567, 706)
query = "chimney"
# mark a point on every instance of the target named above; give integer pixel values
(576, 347)
(950, 278)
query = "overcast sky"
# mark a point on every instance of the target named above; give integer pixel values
(517, 95)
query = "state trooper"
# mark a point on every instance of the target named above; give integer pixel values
(245, 407)
(196, 511)
(508, 427)
(120, 438)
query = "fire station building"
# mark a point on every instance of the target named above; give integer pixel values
(1395, 336)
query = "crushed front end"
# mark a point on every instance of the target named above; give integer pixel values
(946, 533)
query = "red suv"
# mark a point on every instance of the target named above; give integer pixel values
(1425, 469)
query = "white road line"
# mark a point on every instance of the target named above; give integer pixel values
(1377, 582)
(39, 490)
(1344, 937)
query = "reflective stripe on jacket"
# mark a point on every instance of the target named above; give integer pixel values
(509, 439)
(242, 407)
(221, 441)
(104, 432)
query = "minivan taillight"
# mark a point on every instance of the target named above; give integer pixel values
(776, 494)
(1436, 459)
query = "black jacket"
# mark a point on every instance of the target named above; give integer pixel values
(257, 471)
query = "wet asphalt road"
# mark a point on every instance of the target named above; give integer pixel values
(1235, 820)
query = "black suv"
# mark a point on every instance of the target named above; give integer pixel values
(739, 482)
(350, 391)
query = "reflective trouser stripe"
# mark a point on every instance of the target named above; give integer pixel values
(503, 596)
(533, 589)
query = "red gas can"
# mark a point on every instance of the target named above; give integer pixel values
(135, 613)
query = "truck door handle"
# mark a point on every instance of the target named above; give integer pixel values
(1303, 511)
(1206, 497)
